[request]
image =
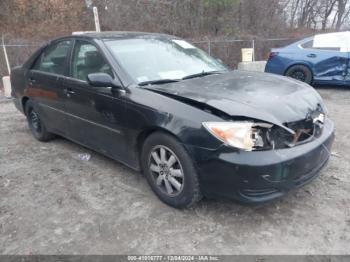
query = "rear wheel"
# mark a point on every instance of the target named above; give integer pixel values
(301, 73)
(170, 171)
(36, 126)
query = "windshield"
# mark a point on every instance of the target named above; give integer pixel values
(147, 60)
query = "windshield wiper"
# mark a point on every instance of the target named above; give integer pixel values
(201, 74)
(165, 81)
(158, 82)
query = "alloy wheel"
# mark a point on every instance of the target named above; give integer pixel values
(299, 75)
(166, 170)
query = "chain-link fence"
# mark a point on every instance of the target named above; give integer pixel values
(17, 54)
(228, 50)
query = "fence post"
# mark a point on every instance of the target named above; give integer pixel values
(6, 57)
(96, 19)
(209, 47)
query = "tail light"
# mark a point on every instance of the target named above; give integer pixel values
(273, 54)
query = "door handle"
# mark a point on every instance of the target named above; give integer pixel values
(68, 92)
(311, 55)
(31, 81)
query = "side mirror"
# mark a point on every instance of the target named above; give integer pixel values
(103, 80)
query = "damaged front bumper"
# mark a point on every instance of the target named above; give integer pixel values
(260, 176)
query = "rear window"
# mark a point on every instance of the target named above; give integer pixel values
(53, 59)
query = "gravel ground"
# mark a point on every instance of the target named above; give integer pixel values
(51, 202)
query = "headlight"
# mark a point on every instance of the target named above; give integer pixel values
(244, 135)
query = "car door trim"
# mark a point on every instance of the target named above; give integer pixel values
(83, 119)
(45, 73)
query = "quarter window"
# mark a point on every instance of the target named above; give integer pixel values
(53, 58)
(308, 44)
(87, 60)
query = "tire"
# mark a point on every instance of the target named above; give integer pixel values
(301, 73)
(184, 191)
(36, 126)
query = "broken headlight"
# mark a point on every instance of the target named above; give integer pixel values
(248, 136)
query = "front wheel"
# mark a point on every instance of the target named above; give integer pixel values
(301, 73)
(170, 171)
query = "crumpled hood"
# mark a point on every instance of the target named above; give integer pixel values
(262, 96)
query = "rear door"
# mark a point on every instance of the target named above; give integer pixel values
(45, 85)
(329, 63)
(96, 114)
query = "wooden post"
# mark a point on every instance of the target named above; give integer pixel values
(96, 18)
(5, 54)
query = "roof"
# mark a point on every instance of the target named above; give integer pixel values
(113, 35)
(338, 39)
(121, 34)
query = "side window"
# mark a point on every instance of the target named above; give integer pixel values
(308, 44)
(328, 48)
(52, 60)
(87, 60)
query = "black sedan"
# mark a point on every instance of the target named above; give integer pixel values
(158, 104)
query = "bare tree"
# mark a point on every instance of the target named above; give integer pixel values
(342, 13)
(327, 8)
(187, 18)
(293, 11)
(308, 11)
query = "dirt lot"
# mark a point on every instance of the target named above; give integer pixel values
(51, 202)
